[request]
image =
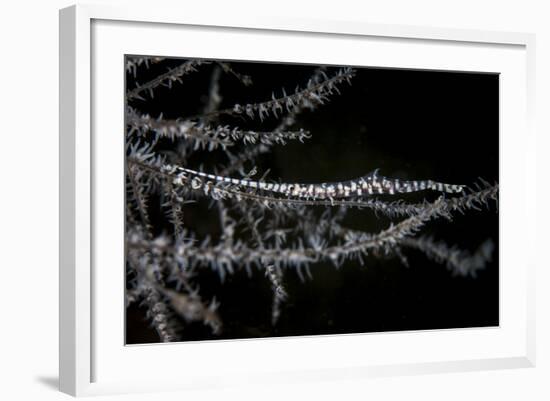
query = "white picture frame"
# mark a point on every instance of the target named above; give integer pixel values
(94, 360)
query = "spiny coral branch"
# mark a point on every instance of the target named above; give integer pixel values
(214, 96)
(159, 314)
(167, 79)
(275, 277)
(191, 308)
(459, 261)
(246, 80)
(279, 294)
(313, 95)
(201, 137)
(139, 195)
(173, 205)
(133, 63)
(290, 119)
(217, 136)
(237, 162)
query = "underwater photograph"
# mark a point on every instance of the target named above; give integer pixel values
(283, 199)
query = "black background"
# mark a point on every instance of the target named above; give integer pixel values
(412, 125)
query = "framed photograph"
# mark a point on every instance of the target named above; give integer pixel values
(290, 200)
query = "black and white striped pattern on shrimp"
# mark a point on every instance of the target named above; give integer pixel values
(370, 184)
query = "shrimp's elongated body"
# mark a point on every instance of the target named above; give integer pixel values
(370, 184)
